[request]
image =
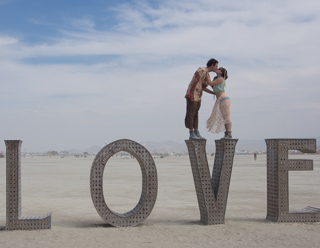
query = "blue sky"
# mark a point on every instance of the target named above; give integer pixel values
(79, 73)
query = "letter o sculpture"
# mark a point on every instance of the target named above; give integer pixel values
(149, 184)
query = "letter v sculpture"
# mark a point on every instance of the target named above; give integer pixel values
(212, 192)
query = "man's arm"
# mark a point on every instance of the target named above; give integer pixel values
(208, 91)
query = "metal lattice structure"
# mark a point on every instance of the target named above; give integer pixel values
(212, 193)
(149, 184)
(13, 201)
(278, 167)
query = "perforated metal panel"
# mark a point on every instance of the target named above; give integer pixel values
(278, 166)
(212, 193)
(13, 204)
(149, 184)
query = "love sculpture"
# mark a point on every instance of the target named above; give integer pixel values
(212, 192)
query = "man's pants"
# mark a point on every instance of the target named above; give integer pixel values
(192, 115)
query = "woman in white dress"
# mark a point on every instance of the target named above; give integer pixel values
(220, 118)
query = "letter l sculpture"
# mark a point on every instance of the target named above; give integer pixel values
(14, 220)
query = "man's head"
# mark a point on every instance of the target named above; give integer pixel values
(212, 65)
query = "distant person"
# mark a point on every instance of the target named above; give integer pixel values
(255, 156)
(220, 118)
(193, 97)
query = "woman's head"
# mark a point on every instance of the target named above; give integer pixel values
(223, 72)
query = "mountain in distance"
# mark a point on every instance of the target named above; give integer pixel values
(260, 145)
(90, 150)
(170, 146)
(176, 147)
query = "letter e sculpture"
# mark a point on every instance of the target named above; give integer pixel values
(278, 167)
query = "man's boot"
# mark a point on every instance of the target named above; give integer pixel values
(193, 136)
(197, 133)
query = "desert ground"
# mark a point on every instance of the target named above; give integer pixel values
(62, 186)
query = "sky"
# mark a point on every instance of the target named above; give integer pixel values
(74, 74)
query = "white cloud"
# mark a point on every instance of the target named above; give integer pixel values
(82, 24)
(4, 40)
(137, 90)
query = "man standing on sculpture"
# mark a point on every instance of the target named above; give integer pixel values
(193, 97)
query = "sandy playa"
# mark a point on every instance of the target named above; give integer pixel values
(61, 186)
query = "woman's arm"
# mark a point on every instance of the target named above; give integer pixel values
(217, 81)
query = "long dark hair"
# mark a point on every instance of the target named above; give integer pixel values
(224, 73)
